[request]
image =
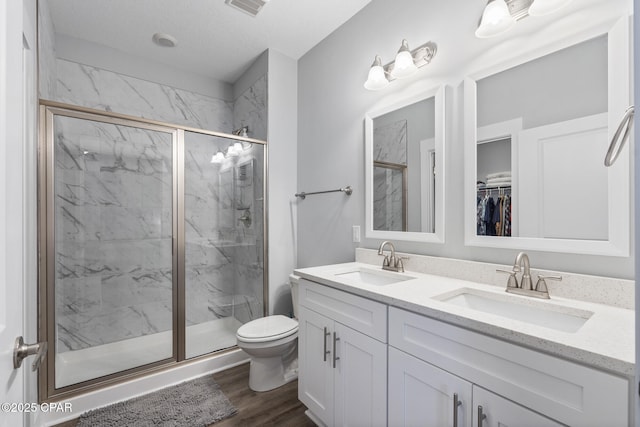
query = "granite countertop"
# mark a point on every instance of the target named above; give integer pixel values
(605, 341)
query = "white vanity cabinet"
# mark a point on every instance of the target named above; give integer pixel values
(514, 385)
(422, 394)
(342, 356)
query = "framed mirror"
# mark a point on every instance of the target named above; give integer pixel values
(536, 132)
(404, 169)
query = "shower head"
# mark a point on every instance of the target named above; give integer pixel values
(242, 131)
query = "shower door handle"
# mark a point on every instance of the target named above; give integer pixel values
(22, 351)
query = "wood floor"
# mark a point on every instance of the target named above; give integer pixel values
(279, 407)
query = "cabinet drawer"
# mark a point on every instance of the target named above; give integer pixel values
(568, 392)
(361, 314)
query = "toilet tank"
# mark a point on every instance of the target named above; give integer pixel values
(293, 282)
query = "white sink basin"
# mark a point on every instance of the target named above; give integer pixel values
(539, 313)
(371, 277)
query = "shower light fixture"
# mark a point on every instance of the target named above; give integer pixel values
(500, 15)
(405, 64)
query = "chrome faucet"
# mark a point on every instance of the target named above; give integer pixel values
(525, 287)
(391, 262)
(525, 282)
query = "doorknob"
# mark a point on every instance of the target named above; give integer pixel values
(22, 350)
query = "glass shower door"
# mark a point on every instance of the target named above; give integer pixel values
(224, 235)
(112, 263)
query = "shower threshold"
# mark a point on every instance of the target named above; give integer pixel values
(73, 367)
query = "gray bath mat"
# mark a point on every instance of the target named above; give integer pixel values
(199, 402)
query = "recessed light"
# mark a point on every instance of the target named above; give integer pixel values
(164, 40)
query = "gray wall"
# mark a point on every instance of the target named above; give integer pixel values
(283, 170)
(577, 87)
(333, 103)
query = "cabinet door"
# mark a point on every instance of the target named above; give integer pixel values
(360, 379)
(500, 412)
(422, 395)
(315, 372)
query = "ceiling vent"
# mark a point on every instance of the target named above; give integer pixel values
(252, 7)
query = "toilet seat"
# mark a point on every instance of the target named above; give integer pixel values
(266, 329)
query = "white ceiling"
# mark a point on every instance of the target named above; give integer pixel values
(214, 39)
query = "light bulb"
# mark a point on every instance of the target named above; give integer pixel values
(496, 19)
(403, 65)
(377, 79)
(218, 157)
(234, 149)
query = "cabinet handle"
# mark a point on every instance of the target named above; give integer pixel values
(481, 416)
(335, 358)
(324, 354)
(456, 403)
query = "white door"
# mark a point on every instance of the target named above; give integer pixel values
(17, 127)
(497, 411)
(422, 395)
(561, 170)
(315, 378)
(11, 302)
(360, 379)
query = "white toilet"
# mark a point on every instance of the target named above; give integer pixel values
(272, 343)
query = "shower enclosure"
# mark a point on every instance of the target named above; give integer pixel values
(152, 244)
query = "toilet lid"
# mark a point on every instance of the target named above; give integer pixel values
(270, 327)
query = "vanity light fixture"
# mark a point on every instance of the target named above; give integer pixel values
(377, 79)
(218, 157)
(496, 19)
(500, 15)
(544, 7)
(405, 64)
(234, 150)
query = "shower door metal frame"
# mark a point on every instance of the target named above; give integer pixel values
(46, 245)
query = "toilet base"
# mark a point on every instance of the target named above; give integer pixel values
(268, 373)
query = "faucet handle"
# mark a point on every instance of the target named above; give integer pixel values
(399, 265)
(385, 261)
(541, 285)
(512, 282)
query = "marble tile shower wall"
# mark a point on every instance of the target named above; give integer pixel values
(224, 259)
(250, 109)
(390, 146)
(92, 87)
(113, 190)
(123, 289)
